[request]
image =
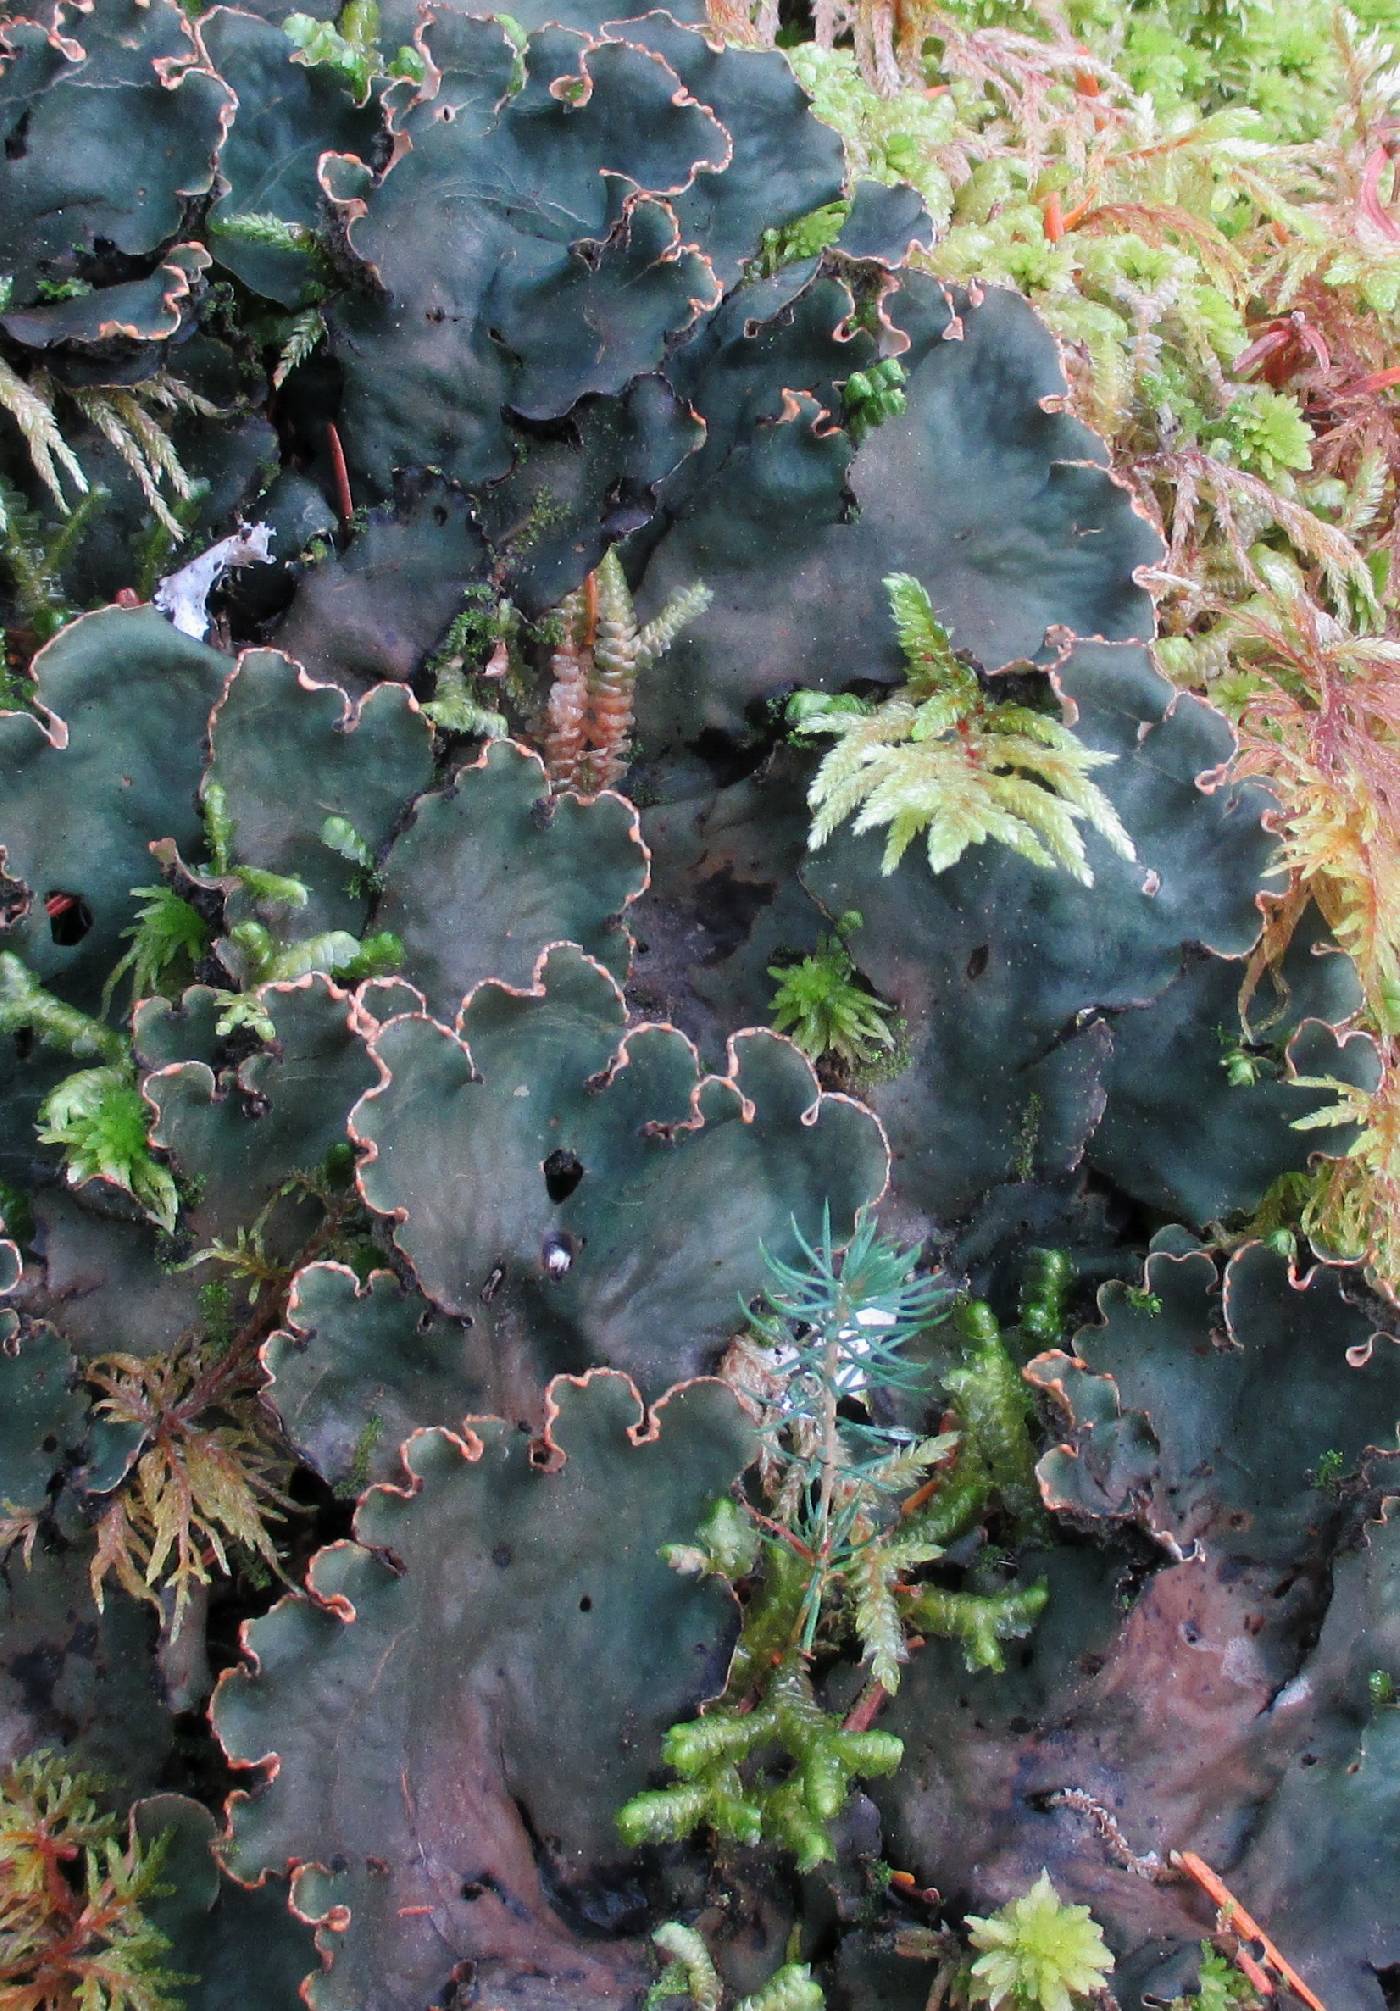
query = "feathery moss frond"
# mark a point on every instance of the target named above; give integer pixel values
(944, 760)
(302, 334)
(72, 1929)
(141, 443)
(168, 936)
(33, 413)
(102, 1122)
(208, 1479)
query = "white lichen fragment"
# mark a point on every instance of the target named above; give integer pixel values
(184, 595)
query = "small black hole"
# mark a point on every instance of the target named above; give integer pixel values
(473, 1889)
(500, 1556)
(585, 1605)
(562, 1173)
(17, 142)
(70, 918)
(977, 962)
(50, 1444)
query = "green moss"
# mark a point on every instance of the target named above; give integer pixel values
(1037, 1953)
(370, 1435)
(827, 1012)
(546, 513)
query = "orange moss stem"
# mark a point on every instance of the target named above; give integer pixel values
(345, 507)
(1244, 1924)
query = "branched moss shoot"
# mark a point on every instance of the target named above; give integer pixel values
(208, 1480)
(74, 1930)
(944, 760)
